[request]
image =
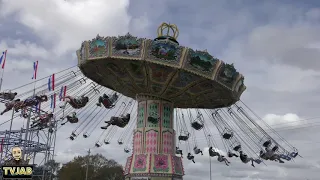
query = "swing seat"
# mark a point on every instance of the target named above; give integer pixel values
(106, 142)
(237, 148)
(190, 157)
(120, 142)
(97, 145)
(267, 143)
(71, 138)
(227, 135)
(110, 107)
(286, 157)
(72, 120)
(275, 148)
(183, 138)
(294, 154)
(197, 151)
(85, 135)
(126, 150)
(153, 120)
(178, 151)
(213, 153)
(196, 125)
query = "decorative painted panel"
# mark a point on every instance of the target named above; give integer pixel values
(140, 119)
(98, 47)
(140, 162)
(161, 163)
(156, 88)
(238, 85)
(184, 79)
(139, 178)
(167, 116)
(167, 142)
(227, 75)
(160, 74)
(128, 165)
(127, 46)
(137, 142)
(177, 165)
(153, 111)
(164, 51)
(200, 62)
(151, 143)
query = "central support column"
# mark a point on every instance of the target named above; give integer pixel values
(154, 143)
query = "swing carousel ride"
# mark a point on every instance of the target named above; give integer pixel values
(152, 89)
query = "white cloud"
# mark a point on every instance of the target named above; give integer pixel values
(285, 120)
(67, 23)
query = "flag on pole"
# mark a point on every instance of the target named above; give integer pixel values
(3, 57)
(53, 100)
(62, 93)
(35, 70)
(51, 83)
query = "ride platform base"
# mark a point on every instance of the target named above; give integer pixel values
(154, 167)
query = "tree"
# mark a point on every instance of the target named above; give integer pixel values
(49, 170)
(100, 168)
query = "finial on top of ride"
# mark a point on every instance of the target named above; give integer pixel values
(161, 67)
(168, 31)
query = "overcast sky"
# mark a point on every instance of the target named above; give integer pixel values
(275, 44)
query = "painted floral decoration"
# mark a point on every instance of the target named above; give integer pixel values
(160, 163)
(140, 162)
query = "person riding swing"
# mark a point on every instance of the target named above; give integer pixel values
(76, 102)
(231, 154)
(108, 102)
(121, 121)
(42, 121)
(8, 95)
(34, 101)
(71, 118)
(179, 151)
(9, 106)
(245, 159)
(223, 159)
(212, 152)
(197, 150)
(191, 157)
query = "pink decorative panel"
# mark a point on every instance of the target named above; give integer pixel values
(128, 165)
(137, 142)
(167, 142)
(151, 141)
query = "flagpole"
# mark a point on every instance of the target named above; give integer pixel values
(2, 73)
(29, 114)
(1, 80)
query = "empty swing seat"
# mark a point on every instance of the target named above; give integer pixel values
(237, 148)
(126, 150)
(227, 135)
(183, 138)
(275, 148)
(196, 125)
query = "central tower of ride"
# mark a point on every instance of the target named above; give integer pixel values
(161, 75)
(154, 142)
